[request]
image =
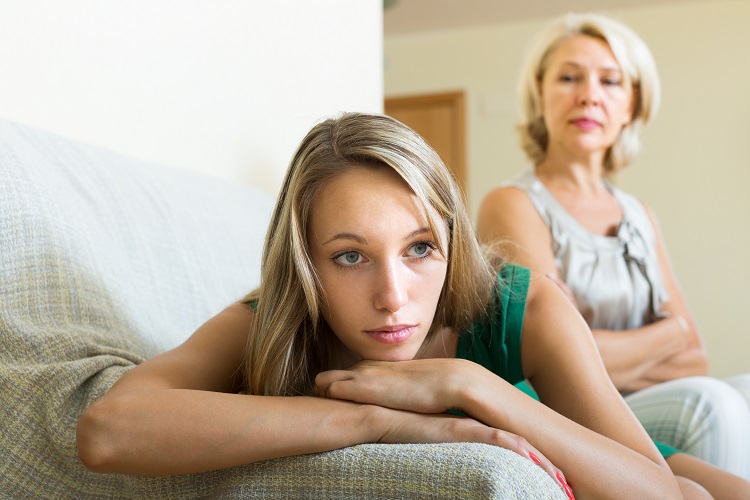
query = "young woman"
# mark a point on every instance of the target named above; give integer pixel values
(377, 313)
(589, 86)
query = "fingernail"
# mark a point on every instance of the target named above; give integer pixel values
(569, 492)
(534, 458)
(566, 486)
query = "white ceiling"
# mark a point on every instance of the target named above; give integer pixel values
(412, 16)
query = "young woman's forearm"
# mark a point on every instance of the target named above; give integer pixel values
(176, 431)
(172, 431)
(594, 465)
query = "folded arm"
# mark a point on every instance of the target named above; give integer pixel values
(687, 363)
(636, 358)
(180, 413)
(664, 350)
(629, 355)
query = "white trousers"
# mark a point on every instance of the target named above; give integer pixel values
(702, 416)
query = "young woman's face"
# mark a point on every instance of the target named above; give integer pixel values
(378, 263)
(585, 99)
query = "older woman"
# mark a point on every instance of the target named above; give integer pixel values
(589, 86)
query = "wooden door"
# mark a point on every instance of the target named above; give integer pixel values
(440, 119)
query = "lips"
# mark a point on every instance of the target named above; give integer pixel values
(392, 334)
(585, 123)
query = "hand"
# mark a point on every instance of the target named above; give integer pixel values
(407, 427)
(688, 363)
(423, 386)
(681, 330)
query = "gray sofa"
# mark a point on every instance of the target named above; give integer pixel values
(106, 261)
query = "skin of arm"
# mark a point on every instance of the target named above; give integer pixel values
(585, 428)
(685, 356)
(179, 413)
(634, 359)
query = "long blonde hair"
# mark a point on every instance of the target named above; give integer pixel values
(290, 342)
(633, 56)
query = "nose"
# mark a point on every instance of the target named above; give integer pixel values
(390, 288)
(590, 92)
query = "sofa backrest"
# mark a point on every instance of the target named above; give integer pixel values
(138, 254)
(104, 262)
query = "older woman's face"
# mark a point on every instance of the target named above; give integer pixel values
(378, 263)
(585, 98)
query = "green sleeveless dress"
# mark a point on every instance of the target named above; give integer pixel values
(495, 341)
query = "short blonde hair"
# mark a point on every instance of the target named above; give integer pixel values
(290, 342)
(633, 56)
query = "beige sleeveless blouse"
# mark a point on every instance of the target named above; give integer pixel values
(616, 280)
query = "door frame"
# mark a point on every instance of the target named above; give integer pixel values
(457, 101)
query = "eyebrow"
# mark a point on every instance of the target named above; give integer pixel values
(605, 68)
(359, 239)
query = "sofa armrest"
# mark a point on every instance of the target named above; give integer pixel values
(409, 471)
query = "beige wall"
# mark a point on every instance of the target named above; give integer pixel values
(694, 169)
(228, 88)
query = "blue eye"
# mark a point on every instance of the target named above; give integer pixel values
(421, 250)
(348, 259)
(351, 257)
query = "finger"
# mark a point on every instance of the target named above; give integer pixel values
(348, 386)
(323, 380)
(566, 487)
(353, 390)
(522, 447)
(550, 469)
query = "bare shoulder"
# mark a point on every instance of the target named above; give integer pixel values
(507, 215)
(210, 359)
(224, 332)
(505, 209)
(503, 199)
(545, 299)
(551, 323)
